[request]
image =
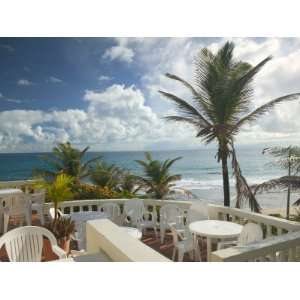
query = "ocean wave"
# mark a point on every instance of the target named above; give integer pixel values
(210, 184)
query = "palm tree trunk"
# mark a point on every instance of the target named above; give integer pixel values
(289, 190)
(225, 180)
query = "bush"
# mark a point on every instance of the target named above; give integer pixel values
(87, 191)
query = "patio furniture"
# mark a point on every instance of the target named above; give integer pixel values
(134, 232)
(136, 214)
(112, 210)
(4, 213)
(59, 212)
(25, 244)
(214, 229)
(80, 219)
(251, 233)
(170, 214)
(183, 243)
(9, 192)
(37, 204)
(17, 209)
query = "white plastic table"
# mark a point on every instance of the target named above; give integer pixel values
(134, 232)
(80, 219)
(215, 229)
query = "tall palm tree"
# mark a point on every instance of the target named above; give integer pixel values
(221, 100)
(157, 179)
(287, 158)
(68, 160)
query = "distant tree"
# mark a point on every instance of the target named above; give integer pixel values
(287, 158)
(68, 160)
(221, 100)
(105, 175)
(157, 179)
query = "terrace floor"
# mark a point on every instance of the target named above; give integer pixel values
(148, 238)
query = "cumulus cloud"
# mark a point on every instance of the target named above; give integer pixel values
(24, 82)
(120, 52)
(116, 118)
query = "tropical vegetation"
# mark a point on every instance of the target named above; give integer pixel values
(222, 96)
(287, 158)
(68, 160)
(157, 180)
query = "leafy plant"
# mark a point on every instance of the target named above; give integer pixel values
(105, 175)
(63, 228)
(157, 179)
(59, 190)
(221, 100)
(66, 159)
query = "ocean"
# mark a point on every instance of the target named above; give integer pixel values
(201, 174)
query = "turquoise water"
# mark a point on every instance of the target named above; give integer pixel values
(199, 169)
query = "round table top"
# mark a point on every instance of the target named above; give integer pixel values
(134, 232)
(216, 229)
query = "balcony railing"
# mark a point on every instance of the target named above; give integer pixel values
(281, 237)
(68, 207)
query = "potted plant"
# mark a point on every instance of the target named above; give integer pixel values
(58, 191)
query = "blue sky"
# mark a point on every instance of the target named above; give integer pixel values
(102, 92)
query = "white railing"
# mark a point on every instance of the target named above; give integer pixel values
(281, 237)
(270, 225)
(105, 236)
(68, 207)
(281, 248)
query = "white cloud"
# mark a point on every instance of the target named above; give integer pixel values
(24, 82)
(120, 52)
(125, 117)
(55, 79)
(1, 95)
(115, 119)
(104, 78)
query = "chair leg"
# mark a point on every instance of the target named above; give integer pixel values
(162, 236)
(155, 231)
(180, 255)
(191, 254)
(41, 216)
(174, 254)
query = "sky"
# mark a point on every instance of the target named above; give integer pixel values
(103, 92)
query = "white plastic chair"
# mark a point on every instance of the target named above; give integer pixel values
(170, 214)
(112, 210)
(138, 215)
(18, 208)
(59, 212)
(251, 233)
(37, 204)
(184, 243)
(25, 244)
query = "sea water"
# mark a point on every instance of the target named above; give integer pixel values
(200, 171)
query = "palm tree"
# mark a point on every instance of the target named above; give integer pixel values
(157, 179)
(128, 183)
(105, 175)
(221, 100)
(68, 160)
(288, 158)
(59, 190)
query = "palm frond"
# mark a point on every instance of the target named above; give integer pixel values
(264, 108)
